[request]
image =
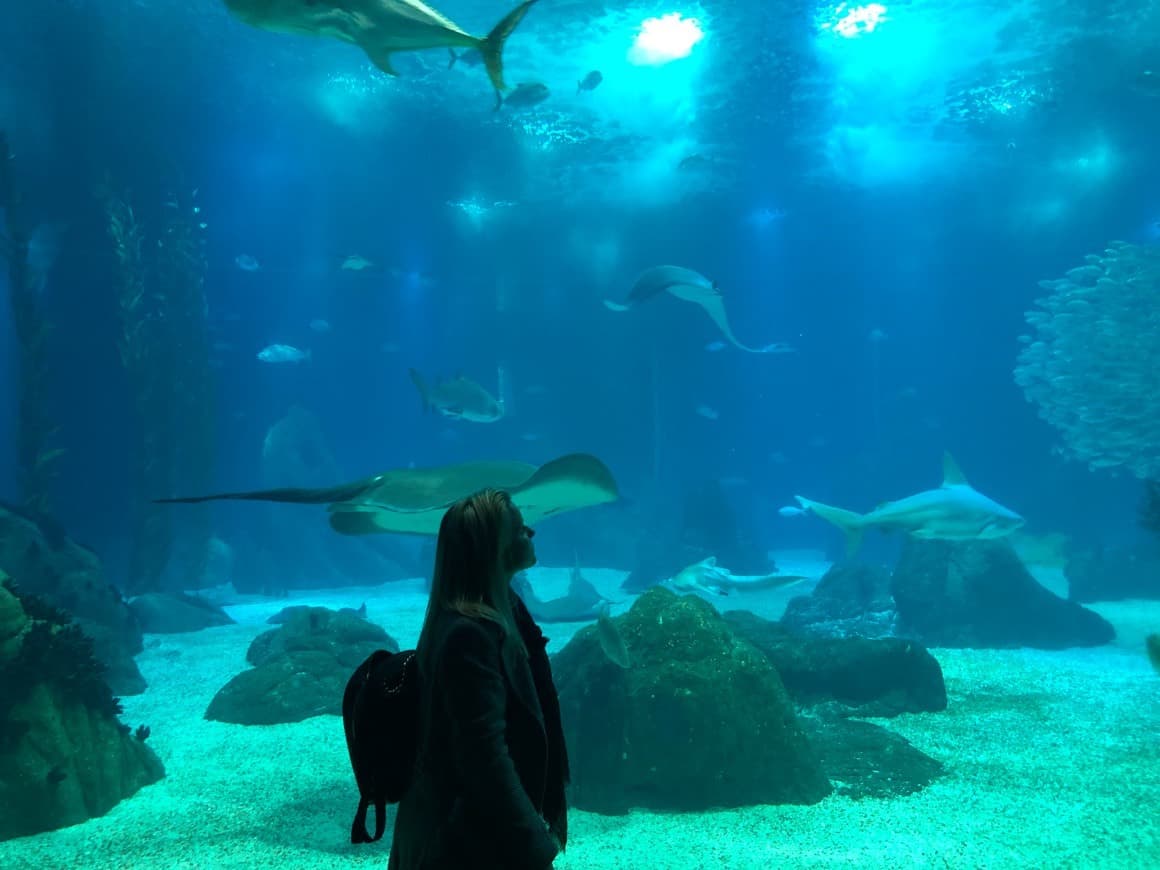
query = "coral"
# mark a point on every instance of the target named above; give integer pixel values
(53, 650)
(1090, 364)
(36, 458)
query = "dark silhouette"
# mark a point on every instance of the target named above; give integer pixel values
(488, 787)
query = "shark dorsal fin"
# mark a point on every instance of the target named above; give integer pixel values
(952, 474)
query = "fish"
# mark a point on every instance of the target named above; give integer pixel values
(356, 263)
(581, 603)
(319, 325)
(459, 398)
(689, 286)
(247, 263)
(412, 501)
(1152, 643)
(955, 511)
(610, 640)
(790, 510)
(525, 95)
(590, 81)
(381, 27)
(708, 576)
(703, 576)
(468, 57)
(708, 413)
(283, 353)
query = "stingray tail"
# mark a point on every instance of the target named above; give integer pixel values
(321, 495)
(849, 522)
(491, 48)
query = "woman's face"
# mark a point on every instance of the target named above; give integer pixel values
(519, 551)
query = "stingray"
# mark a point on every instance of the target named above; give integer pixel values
(412, 501)
(692, 287)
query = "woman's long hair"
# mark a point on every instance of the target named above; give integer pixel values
(470, 576)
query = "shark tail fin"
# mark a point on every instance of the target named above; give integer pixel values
(421, 386)
(491, 47)
(848, 521)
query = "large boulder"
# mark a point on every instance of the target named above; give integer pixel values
(866, 676)
(176, 613)
(52, 566)
(300, 669)
(700, 719)
(64, 755)
(979, 594)
(851, 599)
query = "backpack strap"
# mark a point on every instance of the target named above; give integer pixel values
(358, 830)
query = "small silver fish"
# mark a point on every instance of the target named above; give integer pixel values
(319, 325)
(283, 353)
(247, 263)
(792, 511)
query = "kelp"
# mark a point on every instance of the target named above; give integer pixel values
(164, 348)
(36, 456)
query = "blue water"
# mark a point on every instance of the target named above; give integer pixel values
(879, 189)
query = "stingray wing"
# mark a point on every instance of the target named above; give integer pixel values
(413, 501)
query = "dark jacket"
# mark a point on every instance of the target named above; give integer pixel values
(489, 786)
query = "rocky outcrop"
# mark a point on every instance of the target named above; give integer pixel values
(700, 719)
(52, 566)
(300, 669)
(852, 599)
(64, 755)
(175, 613)
(865, 676)
(978, 594)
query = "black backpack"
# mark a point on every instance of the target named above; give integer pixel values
(380, 714)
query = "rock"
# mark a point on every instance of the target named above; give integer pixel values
(301, 669)
(868, 676)
(864, 760)
(173, 613)
(700, 720)
(979, 594)
(851, 599)
(52, 566)
(1114, 574)
(64, 756)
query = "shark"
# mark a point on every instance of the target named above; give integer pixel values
(708, 576)
(955, 511)
(582, 603)
(459, 398)
(689, 286)
(382, 27)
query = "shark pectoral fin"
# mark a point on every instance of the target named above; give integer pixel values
(952, 474)
(381, 59)
(615, 306)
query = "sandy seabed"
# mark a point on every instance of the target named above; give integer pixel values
(1053, 761)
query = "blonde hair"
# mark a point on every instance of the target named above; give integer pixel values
(470, 577)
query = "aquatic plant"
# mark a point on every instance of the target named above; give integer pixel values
(53, 650)
(36, 457)
(164, 350)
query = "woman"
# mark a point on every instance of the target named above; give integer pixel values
(488, 790)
